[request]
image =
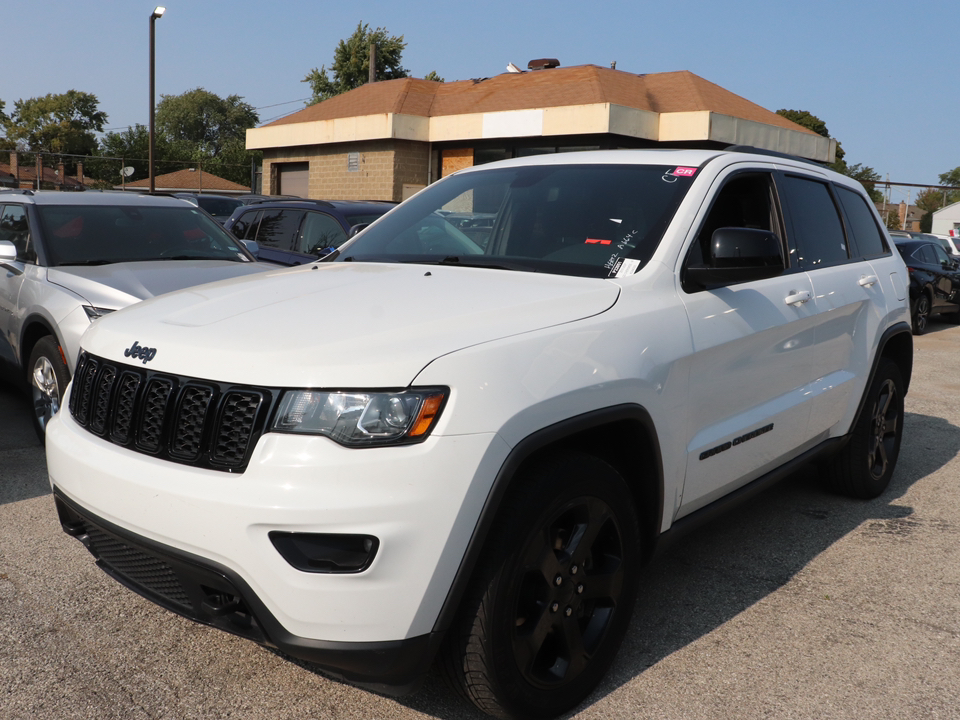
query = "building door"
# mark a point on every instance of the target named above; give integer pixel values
(293, 179)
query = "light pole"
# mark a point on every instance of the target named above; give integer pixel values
(153, 19)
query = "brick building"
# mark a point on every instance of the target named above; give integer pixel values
(386, 140)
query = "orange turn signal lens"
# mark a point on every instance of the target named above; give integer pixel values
(426, 416)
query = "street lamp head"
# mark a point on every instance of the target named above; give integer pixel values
(158, 12)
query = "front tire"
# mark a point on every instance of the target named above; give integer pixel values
(552, 596)
(47, 377)
(865, 465)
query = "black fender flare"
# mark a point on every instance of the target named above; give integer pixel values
(524, 451)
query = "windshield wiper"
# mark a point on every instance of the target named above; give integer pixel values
(484, 261)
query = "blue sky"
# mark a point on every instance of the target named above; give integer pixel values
(883, 75)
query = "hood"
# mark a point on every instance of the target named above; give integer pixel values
(117, 285)
(346, 325)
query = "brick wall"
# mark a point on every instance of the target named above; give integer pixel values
(383, 167)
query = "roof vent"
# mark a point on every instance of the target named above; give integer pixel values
(543, 64)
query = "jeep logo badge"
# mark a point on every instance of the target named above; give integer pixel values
(136, 351)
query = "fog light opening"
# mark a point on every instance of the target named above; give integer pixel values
(326, 552)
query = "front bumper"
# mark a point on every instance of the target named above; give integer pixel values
(209, 593)
(196, 541)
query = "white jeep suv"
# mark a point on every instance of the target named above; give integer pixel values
(461, 435)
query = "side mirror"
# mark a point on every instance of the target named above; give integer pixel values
(8, 255)
(355, 230)
(739, 255)
(252, 247)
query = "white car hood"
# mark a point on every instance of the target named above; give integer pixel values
(346, 325)
(117, 285)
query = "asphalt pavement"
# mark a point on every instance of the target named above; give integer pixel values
(799, 604)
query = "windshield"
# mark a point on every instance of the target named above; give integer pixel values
(217, 206)
(590, 220)
(98, 235)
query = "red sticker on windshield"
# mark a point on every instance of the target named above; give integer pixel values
(684, 172)
(597, 241)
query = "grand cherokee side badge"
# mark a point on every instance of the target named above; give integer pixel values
(137, 351)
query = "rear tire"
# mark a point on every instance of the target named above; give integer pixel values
(865, 465)
(552, 596)
(47, 378)
(921, 314)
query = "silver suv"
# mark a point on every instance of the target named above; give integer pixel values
(68, 258)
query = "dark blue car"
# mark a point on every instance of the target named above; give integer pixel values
(297, 231)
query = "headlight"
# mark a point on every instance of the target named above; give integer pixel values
(361, 418)
(95, 312)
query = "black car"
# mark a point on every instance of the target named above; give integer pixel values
(219, 207)
(934, 281)
(296, 231)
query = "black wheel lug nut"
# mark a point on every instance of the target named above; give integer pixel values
(558, 581)
(554, 607)
(568, 612)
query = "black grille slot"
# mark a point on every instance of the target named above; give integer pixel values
(101, 400)
(235, 426)
(191, 415)
(144, 570)
(120, 431)
(154, 412)
(181, 419)
(85, 386)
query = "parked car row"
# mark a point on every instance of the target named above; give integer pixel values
(934, 278)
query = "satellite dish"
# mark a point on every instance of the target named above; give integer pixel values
(127, 171)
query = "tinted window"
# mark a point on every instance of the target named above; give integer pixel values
(319, 231)
(13, 228)
(278, 228)
(926, 255)
(101, 234)
(816, 225)
(866, 234)
(218, 207)
(942, 257)
(245, 227)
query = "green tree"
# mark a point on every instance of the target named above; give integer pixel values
(951, 178)
(132, 147)
(351, 63)
(432, 75)
(3, 116)
(64, 123)
(201, 128)
(201, 122)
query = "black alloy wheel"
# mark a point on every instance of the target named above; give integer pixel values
(551, 604)
(865, 465)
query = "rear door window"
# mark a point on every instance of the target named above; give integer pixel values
(279, 228)
(816, 223)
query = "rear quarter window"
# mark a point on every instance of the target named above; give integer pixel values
(866, 234)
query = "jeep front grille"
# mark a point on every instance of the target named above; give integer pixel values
(180, 419)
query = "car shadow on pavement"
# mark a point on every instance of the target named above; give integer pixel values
(22, 468)
(720, 570)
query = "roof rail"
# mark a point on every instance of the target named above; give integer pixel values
(320, 203)
(774, 153)
(19, 191)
